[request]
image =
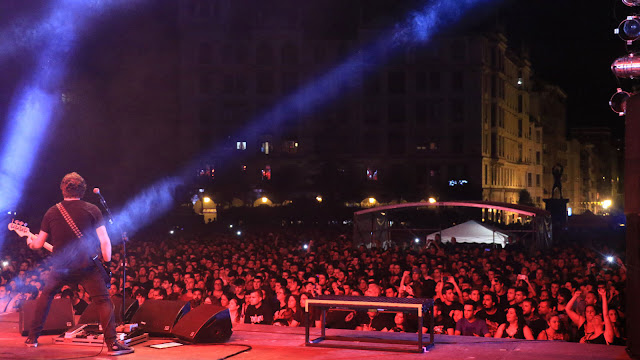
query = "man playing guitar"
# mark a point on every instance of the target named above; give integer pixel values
(75, 229)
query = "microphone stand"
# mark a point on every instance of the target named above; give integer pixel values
(123, 235)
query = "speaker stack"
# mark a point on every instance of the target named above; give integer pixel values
(91, 315)
(158, 317)
(59, 319)
(204, 324)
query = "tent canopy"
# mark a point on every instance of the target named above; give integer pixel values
(472, 232)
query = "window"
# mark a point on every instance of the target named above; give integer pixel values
(241, 145)
(433, 145)
(266, 173)
(228, 83)
(204, 54)
(371, 143)
(372, 174)
(264, 82)
(457, 81)
(371, 113)
(520, 103)
(397, 112)
(434, 81)
(519, 127)
(205, 84)
(226, 54)
(421, 112)
(208, 171)
(537, 179)
(266, 147)
(289, 54)
(371, 81)
(538, 158)
(457, 110)
(529, 180)
(264, 54)
(396, 82)
(421, 82)
(457, 144)
(397, 144)
(290, 146)
(203, 9)
(486, 174)
(458, 50)
(319, 54)
(289, 81)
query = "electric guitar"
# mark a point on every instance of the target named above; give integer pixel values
(21, 229)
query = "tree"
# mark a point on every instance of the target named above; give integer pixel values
(525, 198)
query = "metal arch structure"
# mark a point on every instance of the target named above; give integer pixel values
(371, 226)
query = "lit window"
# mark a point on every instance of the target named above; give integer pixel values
(291, 146)
(266, 173)
(372, 174)
(244, 167)
(433, 146)
(241, 145)
(266, 148)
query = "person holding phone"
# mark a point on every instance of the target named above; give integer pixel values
(446, 291)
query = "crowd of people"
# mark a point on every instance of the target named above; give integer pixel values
(570, 292)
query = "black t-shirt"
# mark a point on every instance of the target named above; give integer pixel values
(261, 315)
(69, 250)
(498, 317)
(80, 307)
(429, 288)
(441, 324)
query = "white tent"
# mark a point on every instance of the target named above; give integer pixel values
(472, 232)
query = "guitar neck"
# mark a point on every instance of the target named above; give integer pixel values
(46, 245)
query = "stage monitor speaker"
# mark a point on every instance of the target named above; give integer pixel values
(204, 324)
(158, 317)
(59, 319)
(91, 315)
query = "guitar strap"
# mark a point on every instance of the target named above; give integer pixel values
(69, 220)
(78, 233)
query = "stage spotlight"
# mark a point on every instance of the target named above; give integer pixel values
(626, 67)
(618, 102)
(629, 29)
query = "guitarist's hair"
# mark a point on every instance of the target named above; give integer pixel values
(73, 185)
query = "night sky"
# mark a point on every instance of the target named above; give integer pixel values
(571, 44)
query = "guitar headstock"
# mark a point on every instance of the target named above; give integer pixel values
(20, 227)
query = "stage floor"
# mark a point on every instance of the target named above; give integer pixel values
(272, 342)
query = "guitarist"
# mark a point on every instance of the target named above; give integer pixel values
(74, 244)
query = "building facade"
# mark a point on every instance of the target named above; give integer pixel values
(450, 119)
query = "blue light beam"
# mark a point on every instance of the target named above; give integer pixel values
(32, 109)
(419, 27)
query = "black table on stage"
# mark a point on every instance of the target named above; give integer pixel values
(325, 302)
